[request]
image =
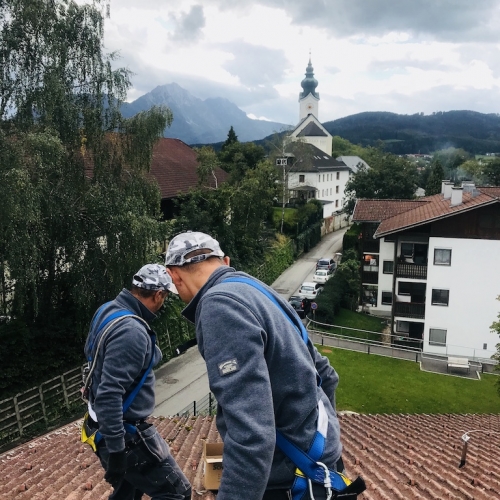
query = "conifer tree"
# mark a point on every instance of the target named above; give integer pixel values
(434, 183)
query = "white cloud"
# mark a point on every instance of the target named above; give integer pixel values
(378, 55)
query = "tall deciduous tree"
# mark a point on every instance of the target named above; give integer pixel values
(495, 327)
(79, 212)
(389, 177)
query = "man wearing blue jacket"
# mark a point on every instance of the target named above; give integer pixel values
(262, 373)
(135, 457)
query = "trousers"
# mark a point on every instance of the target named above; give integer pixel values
(150, 470)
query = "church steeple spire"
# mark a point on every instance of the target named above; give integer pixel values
(309, 83)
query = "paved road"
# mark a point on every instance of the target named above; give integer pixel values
(184, 379)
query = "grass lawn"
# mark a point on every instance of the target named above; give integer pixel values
(277, 213)
(355, 320)
(376, 384)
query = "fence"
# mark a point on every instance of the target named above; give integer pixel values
(205, 406)
(40, 407)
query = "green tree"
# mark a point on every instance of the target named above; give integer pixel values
(390, 177)
(79, 212)
(237, 158)
(232, 138)
(433, 185)
(492, 172)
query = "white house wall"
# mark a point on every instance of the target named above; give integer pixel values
(473, 281)
(326, 187)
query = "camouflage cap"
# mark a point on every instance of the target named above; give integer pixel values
(153, 277)
(185, 243)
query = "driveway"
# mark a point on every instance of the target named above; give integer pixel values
(184, 379)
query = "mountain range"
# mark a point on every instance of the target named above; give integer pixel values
(208, 121)
(198, 121)
(477, 133)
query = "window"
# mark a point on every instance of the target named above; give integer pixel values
(387, 298)
(302, 178)
(319, 178)
(442, 256)
(403, 326)
(388, 266)
(404, 288)
(336, 203)
(336, 189)
(407, 249)
(440, 297)
(323, 177)
(437, 336)
(338, 175)
(330, 190)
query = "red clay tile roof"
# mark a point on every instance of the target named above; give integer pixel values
(401, 457)
(435, 208)
(367, 210)
(174, 168)
(395, 215)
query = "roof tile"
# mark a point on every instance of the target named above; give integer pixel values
(410, 457)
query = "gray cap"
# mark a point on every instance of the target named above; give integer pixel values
(185, 243)
(153, 277)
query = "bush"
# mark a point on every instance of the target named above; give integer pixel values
(352, 238)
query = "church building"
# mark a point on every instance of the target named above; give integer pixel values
(311, 170)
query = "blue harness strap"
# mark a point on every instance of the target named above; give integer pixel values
(305, 462)
(131, 429)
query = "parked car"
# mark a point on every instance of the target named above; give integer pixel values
(310, 290)
(326, 264)
(301, 305)
(322, 275)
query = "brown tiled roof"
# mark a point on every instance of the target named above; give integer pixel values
(173, 165)
(401, 457)
(434, 208)
(367, 210)
(174, 168)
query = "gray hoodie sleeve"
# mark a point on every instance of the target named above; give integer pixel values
(125, 350)
(232, 343)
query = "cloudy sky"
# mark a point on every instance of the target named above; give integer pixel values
(404, 56)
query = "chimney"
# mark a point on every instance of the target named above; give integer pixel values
(468, 187)
(456, 196)
(443, 183)
(447, 190)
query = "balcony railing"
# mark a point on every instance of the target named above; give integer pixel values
(370, 278)
(414, 271)
(409, 310)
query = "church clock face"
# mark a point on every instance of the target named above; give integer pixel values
(309, 107)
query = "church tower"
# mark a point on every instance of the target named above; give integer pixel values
(309, 98)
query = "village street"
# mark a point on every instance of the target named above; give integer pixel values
(184, 379)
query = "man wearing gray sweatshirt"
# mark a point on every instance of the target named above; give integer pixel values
(262, 373)
(136, 459)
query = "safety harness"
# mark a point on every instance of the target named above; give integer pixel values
(89, 435)
(308, 467)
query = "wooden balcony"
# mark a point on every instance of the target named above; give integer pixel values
(409, 310)
(412, 271)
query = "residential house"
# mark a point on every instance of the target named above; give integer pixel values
(429, 266)
(175, 168)
(311, 173)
